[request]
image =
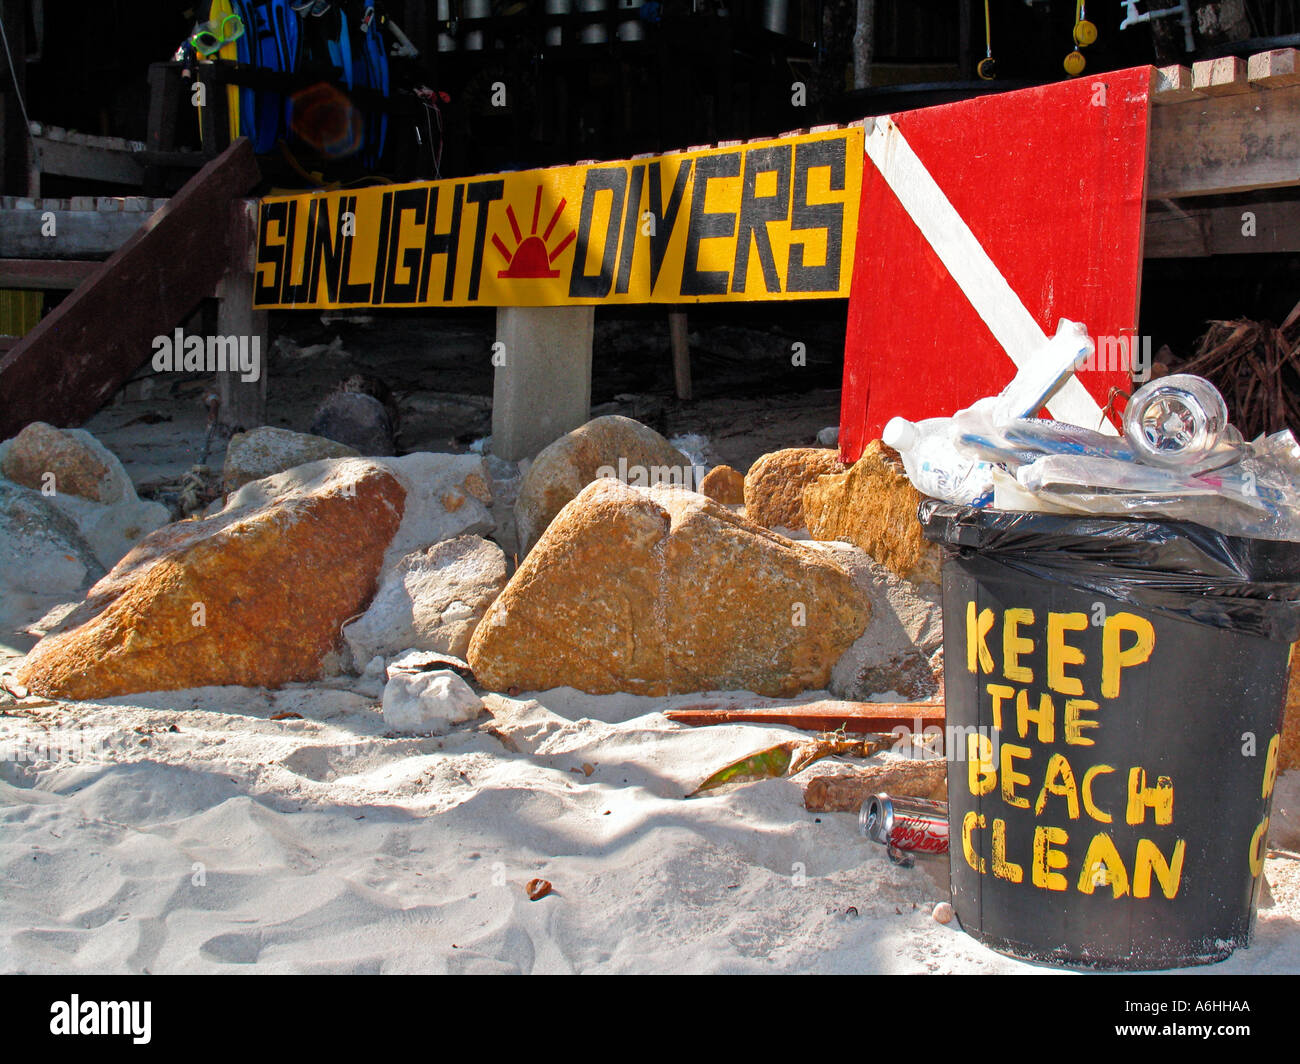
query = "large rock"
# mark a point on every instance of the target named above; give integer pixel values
(267, 450)
(358, 421)
(447, 495)
(873, 505)
(723, 484)
(660, 590)
(775, 483)
(54, 461)
(899, 658)
(43, 558)
(254, 595)
(87, 483)
(432, 600)
(613, 446)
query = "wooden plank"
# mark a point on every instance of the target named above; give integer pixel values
(1240, 230)
(1220, 77)
(845, 792)
(1224, 145)
(858, 718)
(83, 350)
(77, 234)
(1173, 84)
(1274, 70)
(91, 161)
(48, 274)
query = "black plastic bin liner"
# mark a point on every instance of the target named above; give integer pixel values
(1170, 567)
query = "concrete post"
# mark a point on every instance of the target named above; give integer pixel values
(543, 377)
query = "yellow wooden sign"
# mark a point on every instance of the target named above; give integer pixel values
(769, 220)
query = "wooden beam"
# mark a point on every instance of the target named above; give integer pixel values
(1241, 230)
(77, 234)
(92, 161)
(677, 334)
(46, 274)
(859, 718)
(1220, 77)
(1227, 144)
(1274, 70)
(83, 350)
(243, 403)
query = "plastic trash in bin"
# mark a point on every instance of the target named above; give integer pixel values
(936, 463)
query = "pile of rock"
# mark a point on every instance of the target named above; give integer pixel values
(320, 561)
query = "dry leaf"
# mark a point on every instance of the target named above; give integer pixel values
(288, 714)
(784, 759)
(537, 889)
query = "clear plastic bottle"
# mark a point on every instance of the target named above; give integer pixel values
(935, 466)
(1176, 421)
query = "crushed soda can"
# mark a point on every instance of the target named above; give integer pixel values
(905, 826)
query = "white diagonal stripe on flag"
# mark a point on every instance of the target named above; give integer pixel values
(970, 266)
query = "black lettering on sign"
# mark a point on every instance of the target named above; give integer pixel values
(300, 292)
(436, 243)
(349, 292)
(381, 249)
(482, 193)
(757, 211)
(807, 216)
(707, 224)
(611, 179)
(413, 201)
(327, 247)
(665, 216)
(269, 254)
(631, 226)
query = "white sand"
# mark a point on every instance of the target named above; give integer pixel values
(238, 843)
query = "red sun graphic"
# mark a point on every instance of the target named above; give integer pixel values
(531, 259)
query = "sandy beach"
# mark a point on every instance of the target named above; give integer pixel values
(187, 831)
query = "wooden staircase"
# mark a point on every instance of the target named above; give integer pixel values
(71, 363)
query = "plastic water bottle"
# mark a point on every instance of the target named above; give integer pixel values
(935, 466)
(1176, 421)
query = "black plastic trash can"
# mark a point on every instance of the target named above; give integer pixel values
(1115, 691)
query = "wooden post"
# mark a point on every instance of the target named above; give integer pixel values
(864, 39)
(681, 352)
(243, 402)
(164, 111)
